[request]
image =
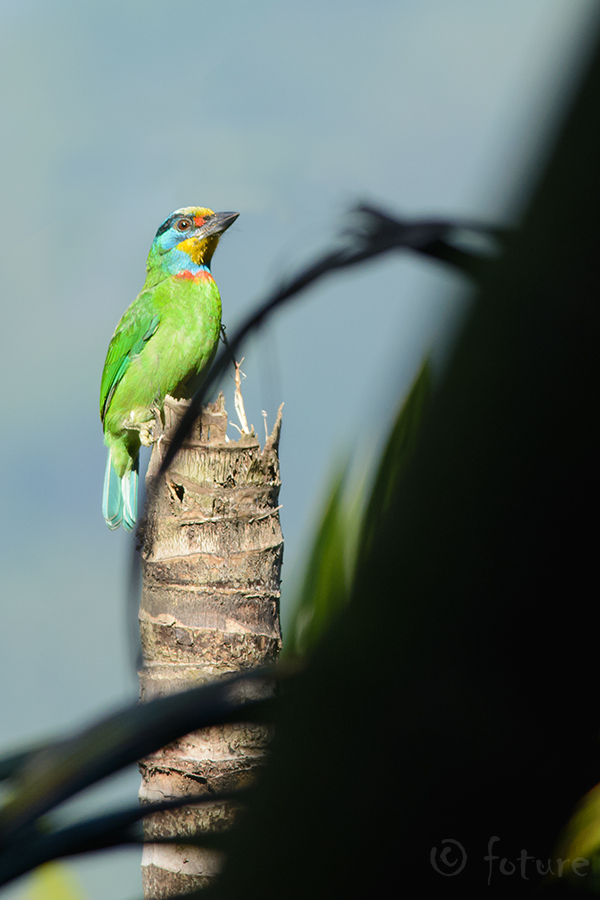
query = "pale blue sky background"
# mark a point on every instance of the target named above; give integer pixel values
(115, 113)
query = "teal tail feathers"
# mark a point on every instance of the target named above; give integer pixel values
(119, 498)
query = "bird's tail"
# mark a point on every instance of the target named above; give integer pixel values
(119, 498)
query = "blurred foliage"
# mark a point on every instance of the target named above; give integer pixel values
(396, 457)
(53, 882)
(346, 531)
(580, 839)
(324, 590)
(452, 706)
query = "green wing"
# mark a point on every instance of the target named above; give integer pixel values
(136, 327)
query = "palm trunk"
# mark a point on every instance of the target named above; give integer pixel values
(211, 556)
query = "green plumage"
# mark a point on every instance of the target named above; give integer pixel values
(163, 345)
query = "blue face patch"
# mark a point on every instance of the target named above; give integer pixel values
(166, 240)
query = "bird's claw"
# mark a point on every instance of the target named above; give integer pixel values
(147, 434)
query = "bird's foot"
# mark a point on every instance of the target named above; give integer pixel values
(147, 434)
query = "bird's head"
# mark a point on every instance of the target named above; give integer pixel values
(191, 232)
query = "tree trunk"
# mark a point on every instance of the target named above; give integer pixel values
(211, 558)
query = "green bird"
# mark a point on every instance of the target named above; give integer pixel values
(164, 344)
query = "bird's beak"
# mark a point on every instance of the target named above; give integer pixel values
(216, 224)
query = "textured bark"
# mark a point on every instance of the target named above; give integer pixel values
(211, 557)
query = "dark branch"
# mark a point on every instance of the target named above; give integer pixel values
(378, 232)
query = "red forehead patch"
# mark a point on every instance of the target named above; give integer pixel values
(198, 221)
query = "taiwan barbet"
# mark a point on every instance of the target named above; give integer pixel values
(163, 345)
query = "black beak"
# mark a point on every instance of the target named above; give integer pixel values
(218, 223)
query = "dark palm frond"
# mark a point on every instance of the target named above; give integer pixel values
(36, 845)
(54, 773)
(11, 764)
(372, 233)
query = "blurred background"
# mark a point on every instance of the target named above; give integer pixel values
(116, 113)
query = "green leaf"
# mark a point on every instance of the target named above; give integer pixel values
(399, 450)
(324, 589)
(344, 535)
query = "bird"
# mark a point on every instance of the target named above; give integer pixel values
(163, 345)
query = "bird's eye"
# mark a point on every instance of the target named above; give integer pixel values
(183, 224)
